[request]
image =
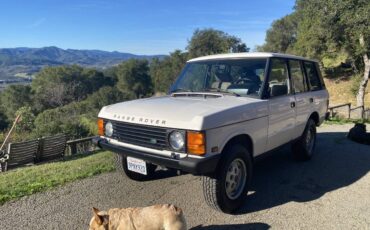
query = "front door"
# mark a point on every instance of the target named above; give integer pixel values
(281, 104)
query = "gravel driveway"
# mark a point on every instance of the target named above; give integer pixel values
(332, 191)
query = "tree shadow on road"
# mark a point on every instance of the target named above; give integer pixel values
(279, 179)
(254, 226)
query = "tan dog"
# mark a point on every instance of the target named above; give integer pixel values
(156, 217)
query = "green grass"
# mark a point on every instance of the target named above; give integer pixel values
(28, 180)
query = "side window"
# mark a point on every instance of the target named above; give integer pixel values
(278, 78)
(312, 76)
(296, 74)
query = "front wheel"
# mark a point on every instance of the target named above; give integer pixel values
(227, 190)
(304, 147)
(121, 166)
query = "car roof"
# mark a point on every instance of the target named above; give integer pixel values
(247, 56)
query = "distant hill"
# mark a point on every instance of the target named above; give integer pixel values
(23, 62)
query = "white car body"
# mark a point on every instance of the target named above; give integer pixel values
(268, 123)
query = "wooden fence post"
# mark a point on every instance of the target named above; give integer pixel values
(39, 150)
(73, 148)
(331, 109)
(73, 144)
(349, 111)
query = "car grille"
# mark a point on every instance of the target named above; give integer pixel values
(142, 135)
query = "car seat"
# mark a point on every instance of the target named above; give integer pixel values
(224, 81)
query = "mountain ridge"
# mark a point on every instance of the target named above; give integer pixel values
(26, 61)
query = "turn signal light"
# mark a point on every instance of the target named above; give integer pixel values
(100, 127)
(196, 142)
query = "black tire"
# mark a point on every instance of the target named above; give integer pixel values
(121, 167)
(304, 147)
(214, 187)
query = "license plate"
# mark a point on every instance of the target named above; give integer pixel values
(136, 165)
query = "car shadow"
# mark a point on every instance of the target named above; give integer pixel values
(164, 174)
(254, 226)
(279, 179)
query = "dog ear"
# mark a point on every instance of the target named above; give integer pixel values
(99, 219)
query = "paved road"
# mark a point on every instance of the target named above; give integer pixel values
(332, 191)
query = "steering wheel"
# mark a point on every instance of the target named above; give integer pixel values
(244, 80)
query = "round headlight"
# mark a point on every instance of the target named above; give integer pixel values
(108, 129)
(177, 140)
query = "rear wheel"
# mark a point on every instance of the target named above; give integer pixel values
(227, 190)
(121, 167)
(304, 148)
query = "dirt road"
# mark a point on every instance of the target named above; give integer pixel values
(332, 191)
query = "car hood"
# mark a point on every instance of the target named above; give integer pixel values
(193, 112)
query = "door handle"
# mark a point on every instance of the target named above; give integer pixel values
(292, 104)
(311, 100)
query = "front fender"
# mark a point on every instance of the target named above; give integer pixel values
(256, 129)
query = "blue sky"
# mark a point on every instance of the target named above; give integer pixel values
(135, 26)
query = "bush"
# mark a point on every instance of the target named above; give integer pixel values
(77, 119)
(26, 122)
(3, 121)
(133, 78)
(13, 98)
(63, 119)
(59, 86)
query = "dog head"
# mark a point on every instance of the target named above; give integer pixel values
(100, 220)
(360, 126)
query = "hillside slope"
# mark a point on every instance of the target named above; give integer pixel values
(340, 91)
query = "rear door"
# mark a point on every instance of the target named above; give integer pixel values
(302, 96)
(281, 104)
(318, 94)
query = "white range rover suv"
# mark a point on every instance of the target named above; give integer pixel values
(221, 113)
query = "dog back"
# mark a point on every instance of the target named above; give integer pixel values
(156, 217)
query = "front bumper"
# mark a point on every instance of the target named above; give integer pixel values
(196, 166)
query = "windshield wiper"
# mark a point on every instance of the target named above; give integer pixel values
(181, 90)
(220, 91)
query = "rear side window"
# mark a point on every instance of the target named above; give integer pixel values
(297, 76)
(312, 76)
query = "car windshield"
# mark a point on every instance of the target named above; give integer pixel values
(242, 77)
